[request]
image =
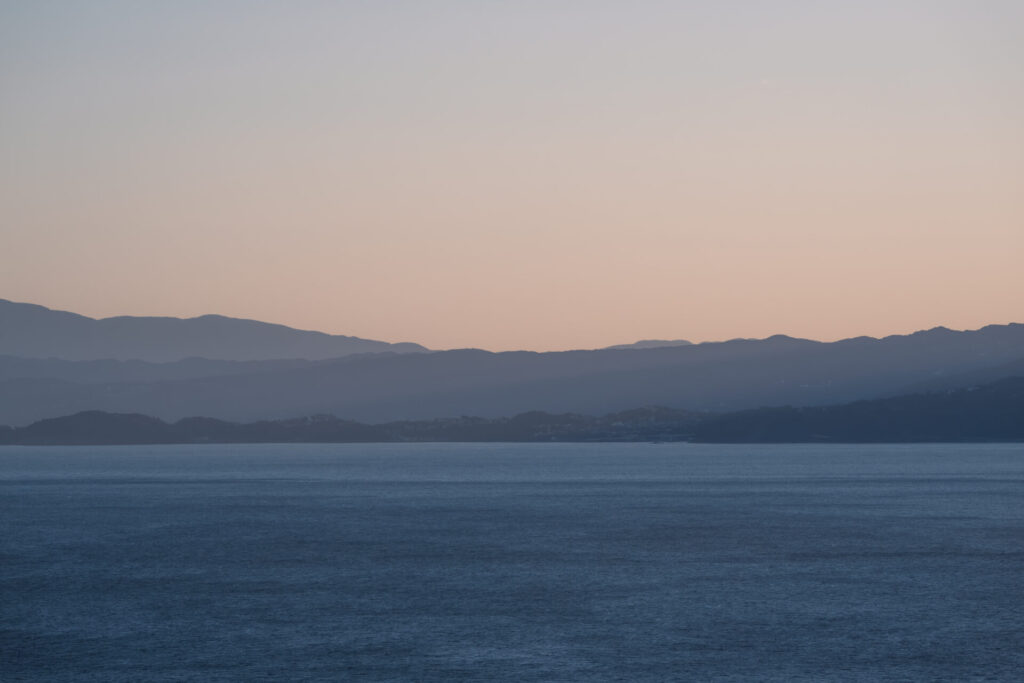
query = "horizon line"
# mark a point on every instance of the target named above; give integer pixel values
(640, 339)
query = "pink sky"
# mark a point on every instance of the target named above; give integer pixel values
(518, 175)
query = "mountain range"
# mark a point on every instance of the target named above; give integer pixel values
(378, 387)
(33, 331)
(991, 412)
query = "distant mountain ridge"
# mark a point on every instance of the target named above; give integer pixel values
(651, 344)
(992, 412)
(375, 388)
(101, 428)
(33, 331)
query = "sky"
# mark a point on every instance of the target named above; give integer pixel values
(518, 175)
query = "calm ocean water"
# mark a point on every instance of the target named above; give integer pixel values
(568, 562)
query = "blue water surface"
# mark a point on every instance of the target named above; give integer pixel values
(512, 562)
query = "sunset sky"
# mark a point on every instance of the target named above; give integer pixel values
(540, 175)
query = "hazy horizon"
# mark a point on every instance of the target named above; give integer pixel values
(529, 175)
(622, 343)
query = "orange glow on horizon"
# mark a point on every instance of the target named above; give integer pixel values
(518, 176)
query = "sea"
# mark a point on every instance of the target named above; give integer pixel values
(512, 562)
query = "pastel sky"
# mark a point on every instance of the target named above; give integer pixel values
(540, 175)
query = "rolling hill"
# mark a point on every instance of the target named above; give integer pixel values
(375, 388)
(32, 331)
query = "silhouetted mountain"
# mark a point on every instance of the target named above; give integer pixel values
(639, 424)
(100, 428)
(993, 412)
(651, 344)
(95, 427)
(34, 331)
(721, 376)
